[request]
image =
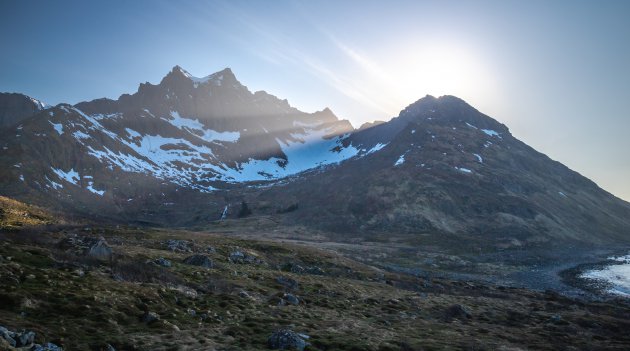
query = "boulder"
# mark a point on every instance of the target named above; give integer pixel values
(25, 338)
(292, 299)
(100, 250)
(46, 347)
(150, 317)
(16, 339)
(178, 245)
(286, 339)
(8, 336)
(243, 258)
(236, 256)
(162, 262)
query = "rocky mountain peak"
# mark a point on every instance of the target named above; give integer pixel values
(15, 107)
(449, 109)
(224, 77)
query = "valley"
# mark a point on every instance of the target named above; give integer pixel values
(195, 214)
(140, 293)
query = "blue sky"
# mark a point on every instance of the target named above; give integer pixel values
(555, 72)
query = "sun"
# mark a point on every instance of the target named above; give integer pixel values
(441, 69)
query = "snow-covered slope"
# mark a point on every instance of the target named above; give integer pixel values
(199, 133)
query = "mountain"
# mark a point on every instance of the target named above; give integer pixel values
(179, 152)
(15, 108)
(184, 133)
(447, 175)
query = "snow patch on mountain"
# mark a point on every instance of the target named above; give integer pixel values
(91, 188)
(162, 150)
(40, 105)
(54, 185)
(307, 150)
(400, 160)
(57, 126)
(70, 176)
(215, 78)
(79, 135)
(464, 170)
(196, 128)
(376, 148)
(491, 132)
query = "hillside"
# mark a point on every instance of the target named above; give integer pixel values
(130, 289)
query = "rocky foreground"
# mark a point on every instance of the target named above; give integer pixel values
(89, 288)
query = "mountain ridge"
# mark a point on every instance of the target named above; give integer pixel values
(439, 169)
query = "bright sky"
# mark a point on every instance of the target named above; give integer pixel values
(555, 72)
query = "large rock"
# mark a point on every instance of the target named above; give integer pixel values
(46, 347)
(286, 339)
(241, 257)
(162, 262)
(199, 260)
(150, 317)
(292, 299)
(178, 245)
(8, 336)
(100, 250)
(16, 339)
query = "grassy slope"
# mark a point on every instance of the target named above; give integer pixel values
(351, 307)
(15, 214)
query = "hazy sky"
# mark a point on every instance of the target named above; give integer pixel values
(557, 73)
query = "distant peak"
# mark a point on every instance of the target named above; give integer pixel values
(179, 70)
(216, 78)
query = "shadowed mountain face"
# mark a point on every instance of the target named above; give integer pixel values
(14, 108)
(451, 176)
(176, 153)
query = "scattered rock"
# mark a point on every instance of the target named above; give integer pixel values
(244, 294)
(298, 269)
(199, 260)
(16, 339)
(178, 245)
(243, 258)
(288, 283)
(109, 347)
(8, 336)
(186, 291)
(85, 245)
(150, 317)
(211, 249)
(162, 262)
(46, 347)
(236, 257)
(457, 311)
(286, 339)
(292, 299)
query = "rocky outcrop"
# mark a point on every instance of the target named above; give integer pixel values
(25, 339)
(287, 339)
(15, 108)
